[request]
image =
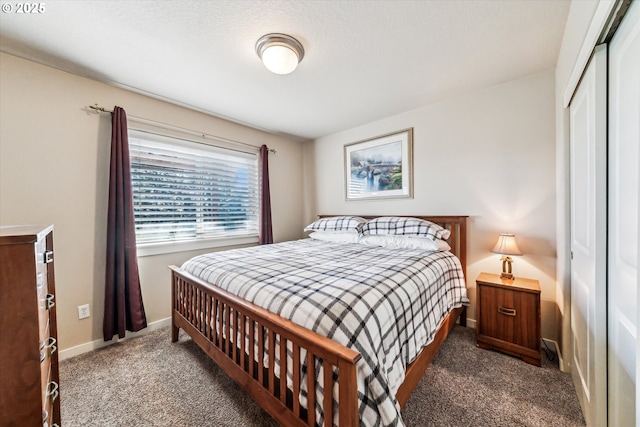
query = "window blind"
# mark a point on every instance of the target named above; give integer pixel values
(184, 190)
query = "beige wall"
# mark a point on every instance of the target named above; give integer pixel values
(490, 155)
(54, 169)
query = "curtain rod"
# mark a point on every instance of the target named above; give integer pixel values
(97, 109)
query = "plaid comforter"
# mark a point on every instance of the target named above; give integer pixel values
(384, 303)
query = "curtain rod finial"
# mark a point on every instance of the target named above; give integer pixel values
(95, 107)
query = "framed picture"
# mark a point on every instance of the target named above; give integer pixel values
(380, 167)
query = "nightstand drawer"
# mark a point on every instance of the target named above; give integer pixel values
(509, 315)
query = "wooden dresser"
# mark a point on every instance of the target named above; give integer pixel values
(28, 358)
(508, 316)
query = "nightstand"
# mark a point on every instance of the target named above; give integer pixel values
(508, 316)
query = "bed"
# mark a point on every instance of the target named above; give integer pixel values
(238, 334)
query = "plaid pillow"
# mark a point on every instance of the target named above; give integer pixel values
(399, 226)
(337, 223)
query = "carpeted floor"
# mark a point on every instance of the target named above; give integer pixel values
(148, 381)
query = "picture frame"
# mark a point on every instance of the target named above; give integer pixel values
(380, 167)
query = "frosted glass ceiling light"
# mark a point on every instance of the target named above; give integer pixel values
(280, 53)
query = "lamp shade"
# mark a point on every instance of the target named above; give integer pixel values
(507, 245)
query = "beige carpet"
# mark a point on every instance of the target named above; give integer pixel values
(148, 381)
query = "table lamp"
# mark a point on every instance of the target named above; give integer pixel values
(506, 246)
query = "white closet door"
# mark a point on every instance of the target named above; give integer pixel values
(624, 158)
(588, 145)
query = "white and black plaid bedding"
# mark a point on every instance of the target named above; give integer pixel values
(337, 223)
(384, 303)
(404, 226)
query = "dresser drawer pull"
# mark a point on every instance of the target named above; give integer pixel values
(52, 390)
(48, 345)
(48, 257)
(507, 311)
(50, 302)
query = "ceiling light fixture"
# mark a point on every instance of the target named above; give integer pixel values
(280, 53)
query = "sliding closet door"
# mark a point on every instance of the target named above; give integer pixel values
(624, 158)
(588, 145)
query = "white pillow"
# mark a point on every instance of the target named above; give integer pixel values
(337, 236)
(404, 242)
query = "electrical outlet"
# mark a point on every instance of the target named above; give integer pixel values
(83, 311)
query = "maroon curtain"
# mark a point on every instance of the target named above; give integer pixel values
(266, 233)
(123, 308)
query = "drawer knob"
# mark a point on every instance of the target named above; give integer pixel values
(50, 302)
(52, 391)
(507, 311)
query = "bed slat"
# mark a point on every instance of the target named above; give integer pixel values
(283, 370)
(243, 333)
(311, 387)
(296, 378)
(252, 343)
(328, 397)
(261, 354)
(272, 362)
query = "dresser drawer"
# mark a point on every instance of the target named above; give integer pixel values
(47, 348)
(50, 395)
(41, 266)
(46, 299)
(46, 302)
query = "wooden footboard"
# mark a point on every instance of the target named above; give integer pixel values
(210, 315)
(239, 336)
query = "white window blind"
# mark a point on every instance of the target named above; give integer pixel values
(184, 190)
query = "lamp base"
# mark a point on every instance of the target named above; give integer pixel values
(506, 268)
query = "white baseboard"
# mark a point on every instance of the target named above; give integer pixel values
(554, 345)
(94, 345)
(471, 323)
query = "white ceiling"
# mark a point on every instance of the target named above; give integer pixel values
(364, 60)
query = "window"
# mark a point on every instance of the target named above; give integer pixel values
(189, 191)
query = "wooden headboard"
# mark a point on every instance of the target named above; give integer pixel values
(456, 224)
